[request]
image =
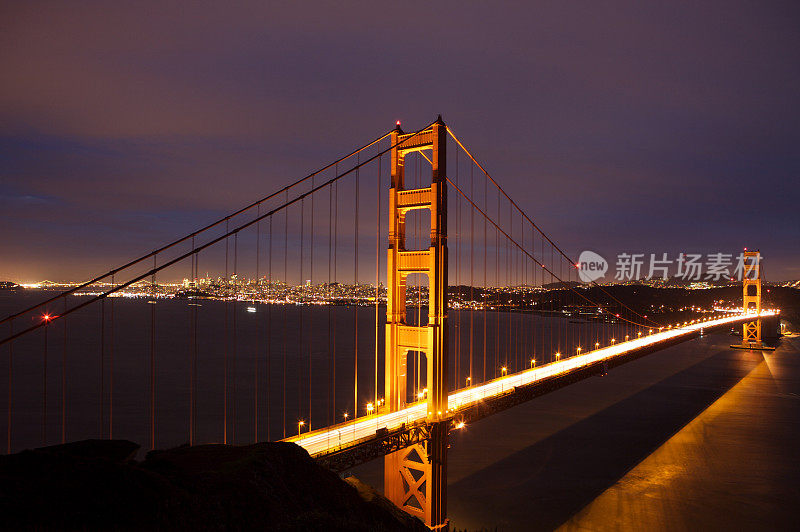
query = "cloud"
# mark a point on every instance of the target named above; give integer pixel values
(650, 117)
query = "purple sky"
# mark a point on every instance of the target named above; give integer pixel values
(618, 126)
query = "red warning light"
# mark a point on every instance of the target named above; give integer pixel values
(398, 122)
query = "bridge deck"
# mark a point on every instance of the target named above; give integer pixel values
(338, 437)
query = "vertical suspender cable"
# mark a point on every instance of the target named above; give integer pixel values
(556, 300)
(195, 347)
(471, 274)
(258, 332)
(485, 264)
(454, 336)
(568, 304)
(509, 276)
(44, 386)
(355, 283)
(526, 323)
(509, 259)
(329, 409)
(111, 368)
(458, 278)
(225, 348)
(512, 311)
(286, 303)
(561, 294)
(522, 277)
(102, 364)
(542, 300)
(335, 255)
(153, 360)
(271, 291)
(497, 291)
(523, 295)
(377, 270)
(510, 287)
(301, 286)
(233, 351)
(10, 379)
(311, 310)
(192, 343)
(64, 379)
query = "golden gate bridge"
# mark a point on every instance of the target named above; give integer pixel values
(356, 352)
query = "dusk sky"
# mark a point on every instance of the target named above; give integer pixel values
(618, 126)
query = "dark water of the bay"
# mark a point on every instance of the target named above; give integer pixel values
(289, 362)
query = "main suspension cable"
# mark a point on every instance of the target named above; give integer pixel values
(199, 231)
(548, 270)
(208, 244)
(570, 260)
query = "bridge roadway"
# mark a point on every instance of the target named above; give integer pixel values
(344, 435)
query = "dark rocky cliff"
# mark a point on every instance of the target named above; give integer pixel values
(97, 485)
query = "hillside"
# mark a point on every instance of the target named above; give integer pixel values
(96, 485)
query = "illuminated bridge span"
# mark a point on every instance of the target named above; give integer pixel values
(294, 322)
(339, 445)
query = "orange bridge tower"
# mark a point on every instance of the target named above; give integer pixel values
(751, 301)
(415, 478)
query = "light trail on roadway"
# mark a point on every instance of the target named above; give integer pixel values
(345, 434)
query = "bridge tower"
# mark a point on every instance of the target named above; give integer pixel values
(751, 296)
(751, 301)
(415, 478)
